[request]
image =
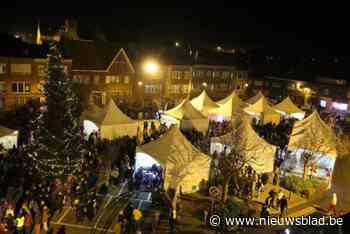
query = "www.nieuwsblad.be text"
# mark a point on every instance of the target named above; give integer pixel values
(216, 220)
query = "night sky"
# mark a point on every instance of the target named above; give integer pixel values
(288, 27)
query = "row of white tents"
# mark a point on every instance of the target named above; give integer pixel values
(195, 113)
(8, 137)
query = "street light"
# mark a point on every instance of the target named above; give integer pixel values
(139, 83)
(205, 84)
(177, 44)
(151, 67)
(246, 85)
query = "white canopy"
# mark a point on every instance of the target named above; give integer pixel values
(111, 121)
(255, 98)
(8, 137)
(287, 107)
(230, 106)
(257, 152)
(186, 116)
(264, 111)
(184, 164)
(313, 134)
(204, 104)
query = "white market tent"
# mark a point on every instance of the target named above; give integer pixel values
(205, 104)
(313, 134)
(262, 110)
(288, 108)
(186, 116)
(8, 137)
(184, 165)
(255, 98)
(256, 151)
(230, 106)
(111, 121)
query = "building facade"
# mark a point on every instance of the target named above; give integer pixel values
(21, 80)
(104, 69)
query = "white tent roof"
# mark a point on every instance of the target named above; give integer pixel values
(258, 153)
(261, 107)
(184, 164)
(230, 105)
(109, 115)
(313, 134)
(288, 107)
(204, 103)
(185, 110)
(255, 98)
(4, 131)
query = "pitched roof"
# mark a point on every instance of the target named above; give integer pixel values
(313, 134)
(185, 110)
(288, 106)
(262, 106)
(90, 55)
(4, 131)
(204, 103)
(259, 153)
(255, 98)
(231, 105)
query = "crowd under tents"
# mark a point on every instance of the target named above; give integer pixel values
(262, 110)
(255, 98)
(289, 109)
(186, 117)
(205, 104)
(110, 121)
(255, 150)
(312, 136)
(230, 106)
(185, 167)
(8, 137)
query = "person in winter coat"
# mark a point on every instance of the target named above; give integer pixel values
(28, 223)
(45, 218)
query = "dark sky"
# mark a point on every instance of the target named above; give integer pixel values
(290, 26)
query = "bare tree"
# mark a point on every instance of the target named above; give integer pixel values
(246, 147)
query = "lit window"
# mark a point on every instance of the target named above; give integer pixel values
(41, 70)
(3, 68)
(126, 79)
(21, 69)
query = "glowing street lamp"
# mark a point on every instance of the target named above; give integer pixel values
(204, 84)
(246, 85)
(177, 44)
(151, 67)
(139, 83)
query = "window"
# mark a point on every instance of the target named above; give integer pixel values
(152, 88)
(225, 74)
(96, 79)
(19, 101)
(21, 69)
(126, 80)
(325, 92)
(187, 75)
(27, 87)
(41, 86)
(185, 89)
(175, 89)
(65, 69)
(176, 75)
(3, 68)
(41, 70)
(20, 87)
(112, 79)
(209, 73)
